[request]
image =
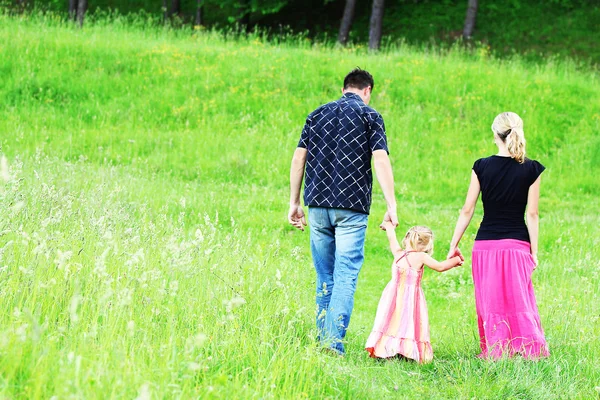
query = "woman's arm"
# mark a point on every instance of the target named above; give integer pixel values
(443, 265)
(465, 216)
(533, 218)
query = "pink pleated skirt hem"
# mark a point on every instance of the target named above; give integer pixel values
(507, 313)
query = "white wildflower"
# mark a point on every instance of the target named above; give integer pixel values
(18, 206)
(194, 366)
(73, 308)
(173, 286)
(62, 258)
(199, 236)
(200, 339)
(144, 392)
(4, 173)
(131, 328)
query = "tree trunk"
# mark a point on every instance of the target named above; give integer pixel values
(175, 8)
(81, 9)
(165, 11)
(72, 9)
(376, 24)
(470, 19)
(346, 23)
(199, 13)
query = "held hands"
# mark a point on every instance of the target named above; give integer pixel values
(296, 216)
(455, 252)
(390, 220)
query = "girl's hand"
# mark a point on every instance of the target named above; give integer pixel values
(390, 218)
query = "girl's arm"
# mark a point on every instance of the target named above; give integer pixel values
(443, 265)
(533, 218)
(465, 215)
(390, 231)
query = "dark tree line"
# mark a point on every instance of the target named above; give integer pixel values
(244, 9)
(376, 22)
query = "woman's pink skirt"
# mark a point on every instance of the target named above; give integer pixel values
(508, 317)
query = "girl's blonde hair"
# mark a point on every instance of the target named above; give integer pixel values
(509, 128)
(419, 238)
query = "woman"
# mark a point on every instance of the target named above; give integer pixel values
(505, 249)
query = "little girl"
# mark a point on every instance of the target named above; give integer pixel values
(401, 324)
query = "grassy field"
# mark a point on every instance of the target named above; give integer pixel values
(144, 247)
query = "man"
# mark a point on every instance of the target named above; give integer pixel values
(336, 147)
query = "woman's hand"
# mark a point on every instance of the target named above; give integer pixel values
(455, 252)
(535, 261)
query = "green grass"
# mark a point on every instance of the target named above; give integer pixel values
(144, 249)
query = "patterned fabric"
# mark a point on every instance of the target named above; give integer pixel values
(341, 137)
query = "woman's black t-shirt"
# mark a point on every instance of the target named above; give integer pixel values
(504, 188)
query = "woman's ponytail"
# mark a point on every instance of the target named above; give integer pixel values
(509, 128)
(515, 143)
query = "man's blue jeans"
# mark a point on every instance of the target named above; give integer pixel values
(337, 238)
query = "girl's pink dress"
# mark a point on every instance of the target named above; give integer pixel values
(401, 323)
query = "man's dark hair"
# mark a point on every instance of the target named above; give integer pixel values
(358, 79)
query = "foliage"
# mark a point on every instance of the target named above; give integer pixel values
(507, 26)
(143, 244)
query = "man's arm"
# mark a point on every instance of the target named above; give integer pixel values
(296, 213)
(385, 176)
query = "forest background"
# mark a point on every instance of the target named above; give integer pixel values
(533, 28)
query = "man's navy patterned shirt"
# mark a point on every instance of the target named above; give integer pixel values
(340, 138)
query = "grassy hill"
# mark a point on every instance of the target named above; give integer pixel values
(144, 249)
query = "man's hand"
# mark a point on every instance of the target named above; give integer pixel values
(296, 216)
(390, 217)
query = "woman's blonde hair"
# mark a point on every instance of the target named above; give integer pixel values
(419, 238)
(509, 128)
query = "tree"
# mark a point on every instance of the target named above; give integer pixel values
(346, 21)
(175, 8)
(470, 19)
(200, 4)
(77, 9)
(376, 24)
(81, 9)
(72, 9)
